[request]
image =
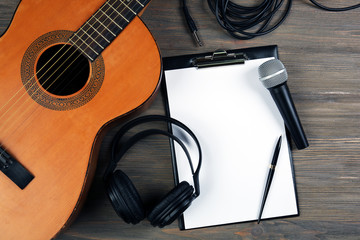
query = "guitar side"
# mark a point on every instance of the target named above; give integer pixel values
(60, 148)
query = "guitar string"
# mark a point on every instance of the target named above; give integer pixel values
(4, 123)
(87, 22)
(106, 27)
(65, 70)
(29, 81)
(62, 56)
(68, 42)
(81, 44)
(108, 16)
(19, 107)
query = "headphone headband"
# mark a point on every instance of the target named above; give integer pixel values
(115, 157)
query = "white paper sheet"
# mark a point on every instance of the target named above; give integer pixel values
(237, 124)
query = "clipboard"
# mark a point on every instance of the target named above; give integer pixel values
(217, 95)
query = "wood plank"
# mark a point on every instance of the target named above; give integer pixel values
(321, 53)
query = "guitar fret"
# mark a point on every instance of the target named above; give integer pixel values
(112, 20)
(136, 6)
(117, 12)
(86, 44)
(74, 44)
(140, 3)
(105, 27)
(89, 26)
(92, 38)
(103, 37)
(123, 10)
(128, 7)
(105, 24)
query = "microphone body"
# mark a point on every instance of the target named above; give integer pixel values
(285, 104)
(273, 76)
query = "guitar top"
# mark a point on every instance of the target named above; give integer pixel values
(67, 69)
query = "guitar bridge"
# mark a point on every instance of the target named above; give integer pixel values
(14, 170)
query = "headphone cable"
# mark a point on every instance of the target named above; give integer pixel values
(334, 9)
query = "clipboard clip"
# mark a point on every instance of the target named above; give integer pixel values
(219, 58)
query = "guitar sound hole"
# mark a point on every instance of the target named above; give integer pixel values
(62, 70)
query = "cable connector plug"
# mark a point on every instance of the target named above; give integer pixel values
(191, 24)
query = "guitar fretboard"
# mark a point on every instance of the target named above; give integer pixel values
(105, 25)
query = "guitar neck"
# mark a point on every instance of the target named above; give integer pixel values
(105, 25)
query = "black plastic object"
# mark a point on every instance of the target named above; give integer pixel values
(14, 170)
(285, 104)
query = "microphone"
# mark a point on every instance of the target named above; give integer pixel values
(273, 76)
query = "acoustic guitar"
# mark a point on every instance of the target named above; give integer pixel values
(68, 69)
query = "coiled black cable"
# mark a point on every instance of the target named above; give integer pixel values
(244, 22)
(334, 9)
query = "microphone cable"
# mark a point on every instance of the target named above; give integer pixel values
(245, 22)
(334, 9)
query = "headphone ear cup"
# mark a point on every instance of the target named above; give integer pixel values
(124, 198)
(172, 205)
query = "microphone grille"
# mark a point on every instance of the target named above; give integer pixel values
(272, 73)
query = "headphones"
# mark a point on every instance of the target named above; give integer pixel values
(122, 193)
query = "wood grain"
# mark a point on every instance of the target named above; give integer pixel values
(321, 53)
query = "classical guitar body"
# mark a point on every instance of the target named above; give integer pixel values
(53, 104)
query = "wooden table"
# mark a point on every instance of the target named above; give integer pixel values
(322, 55)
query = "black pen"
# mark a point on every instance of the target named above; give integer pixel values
(270, 176)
